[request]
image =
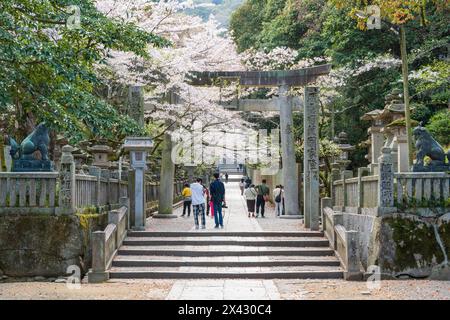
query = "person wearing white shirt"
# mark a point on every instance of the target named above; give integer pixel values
(278, 194)
(198, 202)
(250, 195)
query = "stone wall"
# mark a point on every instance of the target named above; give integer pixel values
(45, 245)
(364, 225)
(404, 244)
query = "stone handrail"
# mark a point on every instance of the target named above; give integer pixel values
(343, 242)
(21, 192)
(106, 243)
(422, 189)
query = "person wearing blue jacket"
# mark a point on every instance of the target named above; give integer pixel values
(217, 193)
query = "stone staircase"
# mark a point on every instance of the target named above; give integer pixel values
(221, 254)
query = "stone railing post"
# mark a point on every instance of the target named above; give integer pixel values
(334, 176)
(346, 174)
(67, 199)
(125, 202)
(361, 172)
(96, 172)
(324, 203)
(352, 271)
(98, 273)
(385, 202)
(107, 175)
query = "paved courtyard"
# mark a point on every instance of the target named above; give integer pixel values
(217, 289)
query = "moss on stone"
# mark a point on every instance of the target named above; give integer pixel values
(44, 245)
(444, 232)
(415, 244)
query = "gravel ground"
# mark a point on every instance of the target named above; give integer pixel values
(288, 289)
(340, 289)
(117, 290)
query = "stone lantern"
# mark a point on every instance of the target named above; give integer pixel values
(393, 116)
(80, 159)
(138, 148)
(345, 147)
(388, 130)
(101, 154)
(57, 152)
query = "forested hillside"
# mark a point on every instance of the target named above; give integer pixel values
(368, 61)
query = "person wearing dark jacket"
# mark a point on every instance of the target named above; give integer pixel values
(217, 193)
(263, 195)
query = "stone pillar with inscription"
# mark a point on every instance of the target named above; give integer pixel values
(385, 203)
(66, 182)
(289, 170)
(311, 157)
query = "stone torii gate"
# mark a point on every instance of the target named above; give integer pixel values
(284, 80)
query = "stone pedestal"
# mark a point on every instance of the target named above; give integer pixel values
(311, 158)
(289, 172)
(385, 203)
(32, 166)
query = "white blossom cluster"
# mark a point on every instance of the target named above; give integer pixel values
(196, 46)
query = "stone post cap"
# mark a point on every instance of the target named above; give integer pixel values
(67, 149)
(66, 156)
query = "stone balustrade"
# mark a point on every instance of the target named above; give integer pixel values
(413, 191)
(21, 191)
(422, 191)
(105, 243)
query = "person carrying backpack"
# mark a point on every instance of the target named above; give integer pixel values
(278, 196)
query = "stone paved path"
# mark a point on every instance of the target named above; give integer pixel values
(236, 219)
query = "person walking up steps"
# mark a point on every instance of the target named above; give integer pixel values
(278, 199)
(217, 192)
(250, 195)
(198, 202)
(242, 186)
(187, 199)
(226, 177)
(263, 196)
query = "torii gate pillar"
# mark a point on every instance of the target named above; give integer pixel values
(289, 170)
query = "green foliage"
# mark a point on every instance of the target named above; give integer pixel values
(439, 127)
(47, 70)
(321, 28)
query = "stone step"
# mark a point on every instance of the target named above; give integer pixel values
(208, 242)
(235, 251)
(131, 262)
(218, 233)
(163, 274)
(224, 258)
(233, 269)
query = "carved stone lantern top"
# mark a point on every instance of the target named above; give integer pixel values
(101, 153)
